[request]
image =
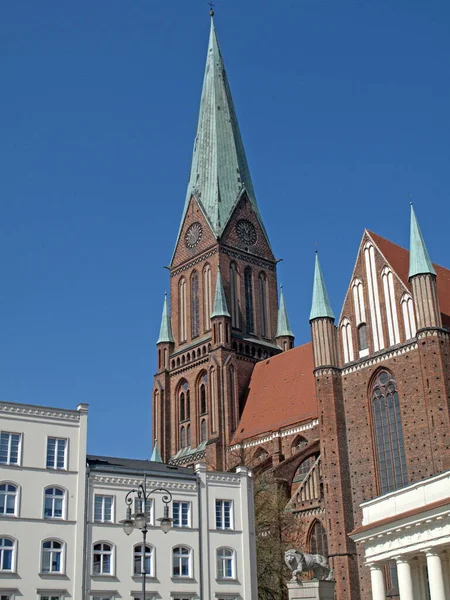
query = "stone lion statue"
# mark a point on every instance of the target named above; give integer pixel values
(299, 562)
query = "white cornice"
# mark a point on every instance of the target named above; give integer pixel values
(41, 412)
(275, 434)
(381, 358)
(132, 481)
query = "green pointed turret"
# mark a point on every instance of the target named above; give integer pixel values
(283, 325)
(220, 308)
(165, 331)
(219, 170)
(320, 303)
(156, 456)
(419, 259)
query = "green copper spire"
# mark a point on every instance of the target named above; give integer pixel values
(419, 260)
(283, 326)
(156, 456)
(220, 308)
(219, 171)
(320, 303)
(165, 332)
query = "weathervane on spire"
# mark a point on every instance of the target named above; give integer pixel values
(211, 8)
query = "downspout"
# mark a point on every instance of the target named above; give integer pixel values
(200, 535)
(85, 525)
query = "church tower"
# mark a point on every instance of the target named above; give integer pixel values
(223, 290)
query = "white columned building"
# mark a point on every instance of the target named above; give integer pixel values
(411, 527)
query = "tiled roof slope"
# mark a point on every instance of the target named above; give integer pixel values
(398, 258)
(282, 392)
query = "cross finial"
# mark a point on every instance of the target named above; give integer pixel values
(315, 246)
(410, 198)
(211, 8)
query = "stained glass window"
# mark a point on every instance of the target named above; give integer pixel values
(318, 540)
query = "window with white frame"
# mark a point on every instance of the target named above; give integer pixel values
(6, 597)
(10, 448)
(52, 557)
(224, 514)
(181, 512)
(56, 453)
(143, 561)
(226, 567)
(51, 597)
(103, 508)
(8, 499)
(102, 559)
(101, 598)
(181, 562)
(54, 503)
(148, 508)
(7, 554)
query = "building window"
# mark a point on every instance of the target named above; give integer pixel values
(188, 435)
(52, 597)
(182, 310)
(409, 319)
(232, 397)
(101, 598)
(54, 503)
(188, 404)
(203, 432)
(225, 563)
(143, 562)
(181, 562)
(263, 304)
(182, 407)
(363, 341)
(183, 437)
(103, 506)
(7, 558)
(304, 468)
(224, 514)
(56, 453)
(181, 514)
(388, 433)
(52, 553)
(203, 407)
(195, 306)
(102, 563)
(318, 539)
(249, 311)
(207, 297)
(8, 499)
(9, 448)
(235, 304)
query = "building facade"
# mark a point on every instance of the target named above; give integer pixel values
(60, 513)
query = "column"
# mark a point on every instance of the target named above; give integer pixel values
(377, 580)
(435, 575)
(405, 584)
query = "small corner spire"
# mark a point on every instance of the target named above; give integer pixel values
(165, 331)
(321, 306)
(156, 455)
(220, 308)
(283, 324)
(419, 259)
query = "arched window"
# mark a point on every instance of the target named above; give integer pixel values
(298, 444)
(388, 433)
(260, 455)
(207, 297)
(203, 408)
(54, 503)
(304, 469)
(203, 430)
(195, 306)
(234, 289)
(232, 397)
(363, 341)
(374, 299)
(183, 437)
(347, 341)
(7, 554)
(143, 561)
(102, 559)
(409, 319)
(318, 539)
(182, 407)
(8, 499)
(188, 404)
(188, 436)
(391, 306)
(263, 304)
(52, 557)
(182, 328)
(249, 312)
(226, 567)
(181, 562)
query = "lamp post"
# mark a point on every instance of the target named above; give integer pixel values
(138, 520)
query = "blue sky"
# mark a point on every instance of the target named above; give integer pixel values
(344, 111)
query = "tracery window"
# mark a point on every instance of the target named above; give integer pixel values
(298, 444)
(318, 539)
(195, 306)
(188, 436)
(188, 404)
(182, 310)
(207, 297)
(249, 311)
(234, 288)
(389, 443)
(263, 304)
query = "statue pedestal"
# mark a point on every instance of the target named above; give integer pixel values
(311, 590)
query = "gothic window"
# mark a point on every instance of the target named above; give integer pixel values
(212, 387)
(183, 437)
(182, 329)
(195, 306)
(232, 397)
(249, 312)
(207, 297)
(182, 407)
(387, 422)
(347, 341)
(263, 304)
(260, 455)
(318, 539)
(203, 430)
(304, 469)
(234, 287)
(188, 435)
(363, 341)
(409, 319)
(188, 404)
(391, 306)
(202, 399)
(358, 301)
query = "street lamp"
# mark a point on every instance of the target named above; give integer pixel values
(138, 520)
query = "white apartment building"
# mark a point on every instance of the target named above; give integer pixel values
(60, 513)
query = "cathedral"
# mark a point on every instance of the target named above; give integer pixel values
(359, 411)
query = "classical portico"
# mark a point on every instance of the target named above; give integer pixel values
(411, 529)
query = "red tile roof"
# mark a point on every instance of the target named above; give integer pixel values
(282, 392)
(398, 258)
